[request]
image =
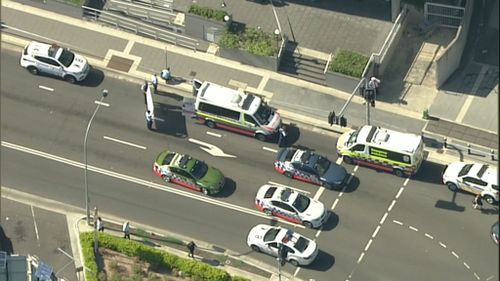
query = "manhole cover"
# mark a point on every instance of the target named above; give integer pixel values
(119, 63)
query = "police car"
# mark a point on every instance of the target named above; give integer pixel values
(295, 248)
(308, 166)
(290, 205)
(54, 60)
(474, 178)
(186, 171)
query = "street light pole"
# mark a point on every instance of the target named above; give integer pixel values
(104, 94)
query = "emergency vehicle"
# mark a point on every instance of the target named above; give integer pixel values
(233, 110)
(389, 150)
(291, 205)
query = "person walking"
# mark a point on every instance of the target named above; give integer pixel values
(166, 75)
(126, 230)
(144, 89)
(281, 136)
(477, 202)
(149, 119)
(154, 81)
(99, 225)
(374, 83)
(191, 247)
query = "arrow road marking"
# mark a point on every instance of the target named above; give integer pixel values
(211, 149)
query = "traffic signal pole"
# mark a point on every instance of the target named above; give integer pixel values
(367, 112)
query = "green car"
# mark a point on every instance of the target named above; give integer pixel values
(186, 171)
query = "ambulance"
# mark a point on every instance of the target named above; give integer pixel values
(233, 110)
(384, 149)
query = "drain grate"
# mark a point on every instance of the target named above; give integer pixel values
(119, 63)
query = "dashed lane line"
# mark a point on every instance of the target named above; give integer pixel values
(45, 88)
(270, 149)
(214, 134)
(101, 103)
(413, 228)
(125, 142)
(34, 224)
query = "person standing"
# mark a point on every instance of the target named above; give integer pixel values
(154, 81)
(191, 247)
(99, 225)
(126, 230)
(144, 89)
(281, 136)
(166, 75)
(477, 202)
(374, 84)
(149, 119)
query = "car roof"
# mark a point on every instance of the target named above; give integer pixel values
(485, 173)
(280, 193)
(44, 49)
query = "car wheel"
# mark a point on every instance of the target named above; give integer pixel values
(205, 191)
(399, 173)
(165, 178)
(261, 137)
(294, 262)
(489, 199)
(33, 70)
(451, 186)
(308, 224)
(348, 160)
(255, 248)
(210, 124)
(70, 79)
(288, 174)
(268, 212)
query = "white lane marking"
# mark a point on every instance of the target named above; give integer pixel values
(45, 88)
(34, 223)
(442, 245)
(211, 149)
(161, 187)
(287, 186)
(158, 119)
(339, 161)
(334, 204)
(383, 218)
(318, 233)
(413, 228)
(392, 205)
(406, 181)
(477, 276)
(455, 254)
(214, 134)
(124, 142)
(368, 244)
(466, 265)
(64, 253)
(270, 149)
(376, 231)
(355, 168)
(489, 278)
(398, 222)
(296, 271)
(101, 103)
(318, 193)
(429, 236)
(399, 192)
(348, 180)
(361, 257)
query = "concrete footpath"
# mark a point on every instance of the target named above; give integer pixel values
(134, 58)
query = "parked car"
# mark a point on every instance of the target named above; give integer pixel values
(54, 60)
(291, 205)
(186, 171)
(495, 233)
(295, 248)
(474, 178)
(308, 166)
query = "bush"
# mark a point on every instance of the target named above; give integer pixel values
(349, 63)
(207, 12)
(252, 40)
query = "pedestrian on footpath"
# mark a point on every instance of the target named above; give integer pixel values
(191, 247)
(281, 137)
(126, 230)
(99, 225)
(154, 81)
(477, 202)
(374, 84)
(144, 89)
(166, 75)
(149, 119)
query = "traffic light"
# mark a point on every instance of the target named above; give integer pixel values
(343, 121)
(331, 118)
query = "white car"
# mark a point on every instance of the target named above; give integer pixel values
(267, 239)
(291, 205)
(54, 60)
(474, 178)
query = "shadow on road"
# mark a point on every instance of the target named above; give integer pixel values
(430, 172)
(94, 78)
(323, 262)
(332, 222)
(353, 184)
(170, 120)
(5, 243)
(228, 189)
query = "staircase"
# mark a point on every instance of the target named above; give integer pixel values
(303, 64)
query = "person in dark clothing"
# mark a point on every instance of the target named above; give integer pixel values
(191, 247)
(281, 137)
(477, 202)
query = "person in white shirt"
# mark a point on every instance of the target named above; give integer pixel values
(154, 81)
(166, 74)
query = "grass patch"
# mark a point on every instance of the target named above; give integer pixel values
(349, 63)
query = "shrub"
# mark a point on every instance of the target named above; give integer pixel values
(207, 12)
(349, 63)
(238, 278)
(252, 40)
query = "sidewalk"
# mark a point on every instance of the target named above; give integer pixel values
(298, 101)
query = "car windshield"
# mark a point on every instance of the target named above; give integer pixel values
(465, 170)
(199, 169)
(262, 114)
(353, 137)
(271, 234)
(301, 244)
(66, 57)
(301, 203)
(322, 165)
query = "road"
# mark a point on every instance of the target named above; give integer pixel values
(382, 227)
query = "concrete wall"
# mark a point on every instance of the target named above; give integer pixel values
(270, 63)
(449, 60)
(395, 8)
(341, 82)
(392, 43)
(202, 28)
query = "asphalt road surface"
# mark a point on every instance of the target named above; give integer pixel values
(382, 227)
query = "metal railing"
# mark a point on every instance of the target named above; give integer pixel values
(140, 28)
(445, 15)
(149, 14)
(162, 4)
